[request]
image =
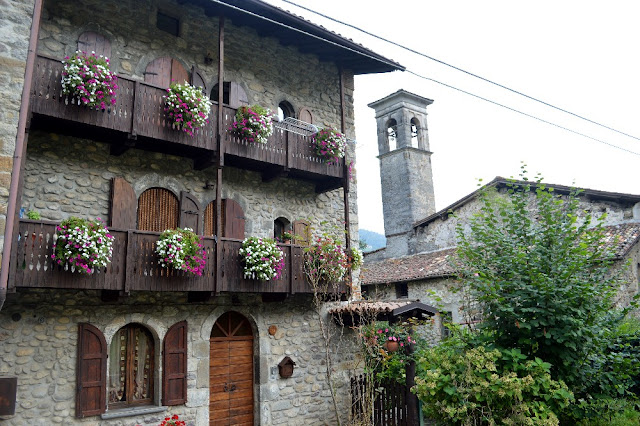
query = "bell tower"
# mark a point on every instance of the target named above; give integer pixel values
(405, 166)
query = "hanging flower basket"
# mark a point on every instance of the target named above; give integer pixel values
(262, 259)
(253, 124)
(88, 80)
(330, 145)
(181, 249)
(325, 260)
(82, 245)
(186, 107)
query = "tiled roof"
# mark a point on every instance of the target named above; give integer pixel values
(621, 238)
(408, 268)
(363, 307)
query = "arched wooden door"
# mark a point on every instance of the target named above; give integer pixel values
(231, 371)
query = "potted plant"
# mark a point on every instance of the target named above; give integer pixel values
(287, 237)
(253, 124)
(88, 79)
(83, 245)
(172, 421)
(186, 107)
(262, 259)
(330, 145)
(181, 249)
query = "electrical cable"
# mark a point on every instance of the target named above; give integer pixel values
(461, 70)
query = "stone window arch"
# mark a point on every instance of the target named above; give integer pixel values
(131, 367)
(158, 210)
(280, 226)
(392, 134)
(285, 109)
(415, 132)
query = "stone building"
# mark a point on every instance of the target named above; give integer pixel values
(416, 264)
(134, 342)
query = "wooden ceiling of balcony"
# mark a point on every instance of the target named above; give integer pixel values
(328, 45)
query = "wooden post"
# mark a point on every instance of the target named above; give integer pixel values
(345, 174)
(413, 417)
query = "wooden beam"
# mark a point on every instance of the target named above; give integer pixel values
(273, 173)
(205, 160)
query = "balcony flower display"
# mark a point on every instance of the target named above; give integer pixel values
(186, 107)
(325, 261)
(330, 145)
(262, 258)
(253, 124)
(181, 249)
(355, 258)
(83, 245)
(88, 79)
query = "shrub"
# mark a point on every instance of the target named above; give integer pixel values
(187, 107)
(88, 78)
(84, 245)
(181, 249)
(33, 215)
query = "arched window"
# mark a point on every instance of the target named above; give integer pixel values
(162, 71)
(158, 210)
(131, 367)
(280, 226)
(285, 110)
(392, 133)
(415, 131)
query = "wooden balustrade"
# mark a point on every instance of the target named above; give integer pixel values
(138, 118)
(134, 266)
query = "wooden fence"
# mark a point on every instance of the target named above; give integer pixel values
(381, 403)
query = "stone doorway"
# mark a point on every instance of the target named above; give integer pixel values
(231, 371)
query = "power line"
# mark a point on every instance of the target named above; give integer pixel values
(423, 77)
(462, 70)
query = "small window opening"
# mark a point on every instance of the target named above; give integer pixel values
(226, 90)
(392, 133)
(446, 318)
(415, 129)
(285, 110)
(282, 230)
(402, 291)
(168, 24)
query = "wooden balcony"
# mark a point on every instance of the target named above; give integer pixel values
(138, 120)
(134, 266)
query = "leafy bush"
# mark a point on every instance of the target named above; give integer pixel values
(33, 215)
(463, 384)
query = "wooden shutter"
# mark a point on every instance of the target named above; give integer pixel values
(158, 210)
(91, 374)
(234, 220)
(198, 80)
(210, 219)
(162, 71)
(123, 204)
(305, 115)
(174, 365)
(237, 96)
(301, 232)
(93, 42)
(189, 212)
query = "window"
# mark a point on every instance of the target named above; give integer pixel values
(280, 226)
(415, 130)
(392, 133)
(285, 110)
(158, 210)
(168, 24)
(233, 220)
(131, 367)
(402, 291)
(226, 90)
(446, 318)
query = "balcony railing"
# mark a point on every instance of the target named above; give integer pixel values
(138, 119)
(134, 266)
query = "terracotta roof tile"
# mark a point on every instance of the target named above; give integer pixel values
(622, 237)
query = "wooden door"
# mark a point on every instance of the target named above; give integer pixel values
(231, 371)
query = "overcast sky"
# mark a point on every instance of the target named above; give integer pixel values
(581, 56)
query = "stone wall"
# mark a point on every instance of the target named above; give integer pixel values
(38, 344)
(68, 176)
(440, 233)
(15, 25)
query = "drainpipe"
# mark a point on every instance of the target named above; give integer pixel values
(20, 146)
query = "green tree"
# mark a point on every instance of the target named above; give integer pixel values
(540, 274)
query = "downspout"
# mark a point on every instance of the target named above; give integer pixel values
(20, 146)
